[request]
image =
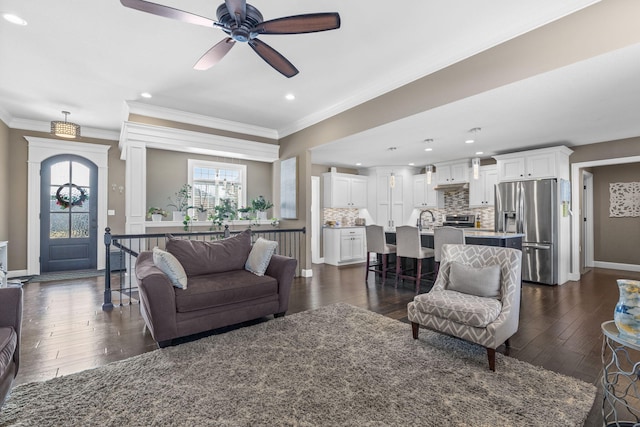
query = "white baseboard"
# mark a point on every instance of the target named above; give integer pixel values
(306, 273)
(17, 273)
(616, 266)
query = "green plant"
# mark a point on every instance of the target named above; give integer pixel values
(181, 198)
(225, 211)
(156, 211)
(260, 204)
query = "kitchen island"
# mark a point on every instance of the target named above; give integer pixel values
(472, 237)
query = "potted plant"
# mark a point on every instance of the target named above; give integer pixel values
(260, 206)
(180, 202)
(203, 213)
(243, 212)
(156, 214)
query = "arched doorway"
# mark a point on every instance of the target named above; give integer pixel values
(68, 215)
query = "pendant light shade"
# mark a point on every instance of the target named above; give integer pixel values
(65, 129)
(475, 163)
(429, 173)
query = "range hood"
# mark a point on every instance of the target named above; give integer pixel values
(453, 186)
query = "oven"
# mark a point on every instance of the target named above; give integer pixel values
(460, 220)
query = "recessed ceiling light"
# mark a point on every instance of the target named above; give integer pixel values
(145, 95)
(358, 164)
(412, 164)
(428, 149)
(290, 97)
(478, 153)
(14, 19)
(469, 141)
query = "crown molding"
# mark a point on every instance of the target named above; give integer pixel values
(172, 139)
(164, 113)
(40, 126)
(5, 116)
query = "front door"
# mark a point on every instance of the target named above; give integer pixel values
(68, 215)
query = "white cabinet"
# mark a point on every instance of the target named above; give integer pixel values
(424, 194)
(534, 164)
(452, 172)
(482, 190)
(343, 190)
(344, 246)
(390, 210)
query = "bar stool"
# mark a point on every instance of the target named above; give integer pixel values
(443, 236)
(408, 246)
(377, 243)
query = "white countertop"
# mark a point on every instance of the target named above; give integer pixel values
(480, 233)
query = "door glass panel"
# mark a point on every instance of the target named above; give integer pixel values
(81, 197)
(60, 173)
(79, 225)
(80, 174)
(59, 226)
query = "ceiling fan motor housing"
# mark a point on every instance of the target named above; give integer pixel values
(241, 33)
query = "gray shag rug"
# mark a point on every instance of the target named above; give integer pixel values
(337, 365)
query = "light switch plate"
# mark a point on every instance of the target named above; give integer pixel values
(111, 212)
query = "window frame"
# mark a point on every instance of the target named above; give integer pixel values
(196, 163)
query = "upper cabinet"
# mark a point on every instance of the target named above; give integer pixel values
(482, 190)
(534, 164)
(452, 172)
(424, 194)
(343, 190)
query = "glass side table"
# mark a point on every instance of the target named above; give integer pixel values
(620, 378)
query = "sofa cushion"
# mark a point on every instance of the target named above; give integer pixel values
(260, 256)
(226, 288)
(200, 257)
(461, 308)
(8, 343)
(171, 267)
(481, 281)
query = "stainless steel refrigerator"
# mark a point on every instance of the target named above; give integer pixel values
(531, 208)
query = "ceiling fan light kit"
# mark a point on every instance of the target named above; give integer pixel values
(244, 23)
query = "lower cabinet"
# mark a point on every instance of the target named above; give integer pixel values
(344, 246)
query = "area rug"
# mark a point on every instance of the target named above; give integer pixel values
(337, 365)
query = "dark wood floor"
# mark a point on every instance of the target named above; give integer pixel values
(66, 331)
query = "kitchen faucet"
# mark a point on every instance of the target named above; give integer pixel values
(433, 218)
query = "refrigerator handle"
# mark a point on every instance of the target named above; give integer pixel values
(520, 210)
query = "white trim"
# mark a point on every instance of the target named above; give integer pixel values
(575, 203)
(616, 266)
(306, 273)
(198, 119)
(16, 273)
(237, 222)
(316, 228)
(41, 149)
(587, 205)
(171, 139)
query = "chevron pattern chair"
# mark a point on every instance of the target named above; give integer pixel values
(476, 297)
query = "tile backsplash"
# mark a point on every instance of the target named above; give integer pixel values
(345, 216)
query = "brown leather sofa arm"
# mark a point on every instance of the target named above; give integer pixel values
(283, 269)
(11, 314)
(157, 297)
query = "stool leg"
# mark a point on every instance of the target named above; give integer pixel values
(418, 274)
(366, 271)
(398, 262)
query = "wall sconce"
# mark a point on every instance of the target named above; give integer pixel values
(429, 173)
(115, 187)
(392, 180)
(475, 163)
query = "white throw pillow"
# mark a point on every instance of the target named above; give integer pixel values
(260, 256)
(171, 267)
(482, 282)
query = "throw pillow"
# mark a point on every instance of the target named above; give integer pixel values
(260, 256)
(482, 282)
(199, 257)
(170, 266)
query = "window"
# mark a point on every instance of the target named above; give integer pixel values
(212, 182)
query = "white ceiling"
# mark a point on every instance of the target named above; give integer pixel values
(91, 57)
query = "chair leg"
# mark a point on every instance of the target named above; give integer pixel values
(418, 274)
(398, 263)
(415, 327)
(491, 354)
(507, 347)
(384, 268)
(436, 268)
(366, 271)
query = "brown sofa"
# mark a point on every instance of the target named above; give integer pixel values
(10, 324)
(219, 290)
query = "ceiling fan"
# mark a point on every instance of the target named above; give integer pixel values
(243, 23)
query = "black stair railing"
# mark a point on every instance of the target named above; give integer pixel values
(123, 249)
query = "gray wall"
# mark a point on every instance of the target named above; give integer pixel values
(615, 239)
(4, 181)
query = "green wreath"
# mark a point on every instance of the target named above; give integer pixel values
(76, 196)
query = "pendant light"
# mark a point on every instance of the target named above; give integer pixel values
(429, 173)
(65, 129)
(475, 163)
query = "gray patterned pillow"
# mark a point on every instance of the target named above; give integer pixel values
(260, 256)
(171, 267)
(482, 282)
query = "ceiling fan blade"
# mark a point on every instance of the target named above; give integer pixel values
(237, 9)
(168, 12)
(300, 24)
(273, 58)
(215, 54)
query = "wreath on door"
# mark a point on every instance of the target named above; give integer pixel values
(69, 195)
